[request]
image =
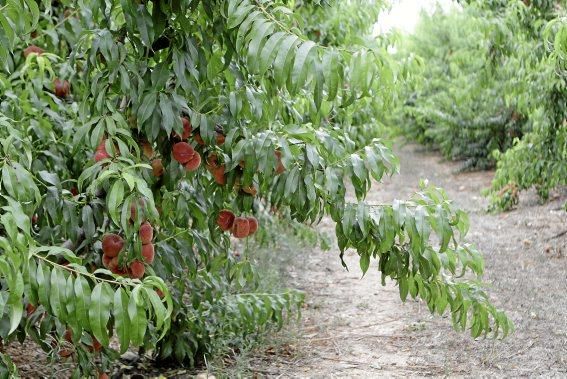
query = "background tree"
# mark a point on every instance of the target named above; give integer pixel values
(505, 51)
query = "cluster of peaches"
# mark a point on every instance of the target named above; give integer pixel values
(187, 155)
(240, 227)
(183, 152)
(112, 245)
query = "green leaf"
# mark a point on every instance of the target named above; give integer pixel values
(300, 60)
(57, 294)
(364, 262)
(168, 116)
(269, 51)
(43, 283)
(121, 319)
(147, 107)
(82, 300)
(99, 312)
(16, 286)
(114, 201)
(280, 62)
(159, 309)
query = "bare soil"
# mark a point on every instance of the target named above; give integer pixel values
(354, 327)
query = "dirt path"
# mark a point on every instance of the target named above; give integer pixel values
(354, 327)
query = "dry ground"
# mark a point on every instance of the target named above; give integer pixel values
(354, 327)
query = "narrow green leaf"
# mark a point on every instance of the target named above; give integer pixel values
(114, 200)
(121, 319)
(99, 313)
(301, 57)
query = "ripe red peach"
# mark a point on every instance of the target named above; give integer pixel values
(96, 346)
(120, 271)
(197, 137)
(148, 253)
(157, 167)
(101, 152)
(137, 270)
(187, 128)
(68, 336)
(193, 163)
(112, 244)
(32, 49)
(280, 168)
(147, 149)
(146, 233)
(182, 152)
(252, 225)
(134, 208)
(225, 219)
(240, 227)
(218, 174)
(61, 88)
(108, 262)
(100, 155)
(251, 190)
(30, 309)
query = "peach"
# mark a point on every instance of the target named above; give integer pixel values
(252, 225)
(30, 309)
(157, 167)
(148, 253)
(32, 49)
(186, 128)
(120, 271)
(146, 233)
(193, 163)
(212, 161)
(100, 155)
(68, 336)
(137, 270)
(64, 353)
(61, 88)
(183, 152)
(112, 244)
(218, 174)
(197, 137)
(147, 149)
(101, 152)
(280, 168)
(240, 227)
(109, 262)
(251, 190)
(225, 219)
(96, 346)
(134, 208)
(113, 264)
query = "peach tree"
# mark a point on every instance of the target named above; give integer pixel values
(141, 139)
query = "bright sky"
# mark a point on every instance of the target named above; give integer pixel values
(405, 14)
